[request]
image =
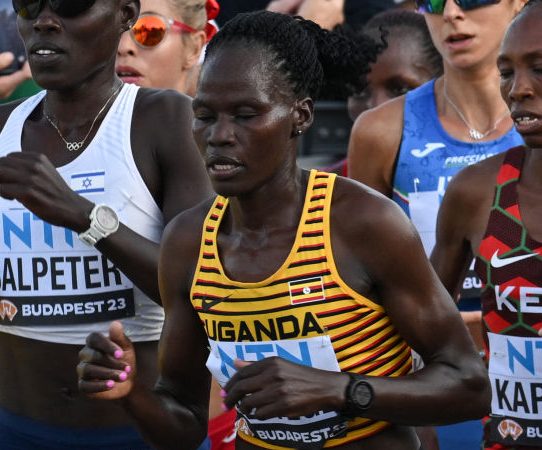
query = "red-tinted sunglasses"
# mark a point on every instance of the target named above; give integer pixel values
(151, 29)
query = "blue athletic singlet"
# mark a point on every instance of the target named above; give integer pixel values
(428, 159)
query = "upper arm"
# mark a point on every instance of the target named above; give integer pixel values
(452, 253)
(167, 156)
(374, 144)
(407, 286)
(185, 181)
(461, 221)
(183, 344)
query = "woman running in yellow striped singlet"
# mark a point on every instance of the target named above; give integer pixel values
(301, 292)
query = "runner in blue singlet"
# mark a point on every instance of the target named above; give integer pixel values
(410, 147)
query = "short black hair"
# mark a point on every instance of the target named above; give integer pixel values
(316, 63)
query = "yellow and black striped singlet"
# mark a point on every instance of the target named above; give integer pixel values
(304, 298)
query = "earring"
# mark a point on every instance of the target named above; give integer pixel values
(298, 132)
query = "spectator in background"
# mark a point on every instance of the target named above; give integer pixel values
(10, 82)
(327, 13)
(230, 8)
(15, 77)
(330, 13)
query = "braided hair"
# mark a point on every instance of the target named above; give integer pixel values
(315, 62)
(407, 25)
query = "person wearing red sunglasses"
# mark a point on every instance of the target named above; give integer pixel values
(160, 51)
(164, 44)
(91, 171)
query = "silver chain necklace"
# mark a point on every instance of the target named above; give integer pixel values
(73, 146)
(473, 132)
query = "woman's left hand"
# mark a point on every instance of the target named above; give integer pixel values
(275, 387)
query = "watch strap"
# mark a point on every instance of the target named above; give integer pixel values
(352, 407)
(95, 231)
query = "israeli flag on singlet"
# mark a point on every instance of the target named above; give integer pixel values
(88, 183)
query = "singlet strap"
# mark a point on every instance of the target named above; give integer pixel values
(511, 166)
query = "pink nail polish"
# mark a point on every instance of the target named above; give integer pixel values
(123, 376)
(118, 354)
(110, 384)
(127, 369)
(224, 407)
(223, 393)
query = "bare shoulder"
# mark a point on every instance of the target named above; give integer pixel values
(371, 237)
(165, 151)
(381, 125)
(374, 143)
(161, 118)
(183, 233)
(363, 211)
(166, 104)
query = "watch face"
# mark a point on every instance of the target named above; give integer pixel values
(362, 395)
(107, 218)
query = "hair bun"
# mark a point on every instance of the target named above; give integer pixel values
(213, 8)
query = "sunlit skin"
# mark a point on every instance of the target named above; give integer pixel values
(233, 115)
(398, 69)
(245, 127)
(465, 211)
(468, 42)
(520, 67)
(166, 65)
(467, 39)
(78, 73)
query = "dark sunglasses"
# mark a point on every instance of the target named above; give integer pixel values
(437, 6)
(30, 9)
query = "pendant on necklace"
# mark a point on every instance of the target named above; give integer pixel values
(475, 134)
(74, 146)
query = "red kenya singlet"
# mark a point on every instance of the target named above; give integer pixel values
(510, 267)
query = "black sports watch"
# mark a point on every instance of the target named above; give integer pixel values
(359, 396)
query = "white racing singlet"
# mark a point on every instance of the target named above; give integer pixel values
(55, 288)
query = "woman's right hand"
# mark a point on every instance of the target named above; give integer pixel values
(107, 366)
